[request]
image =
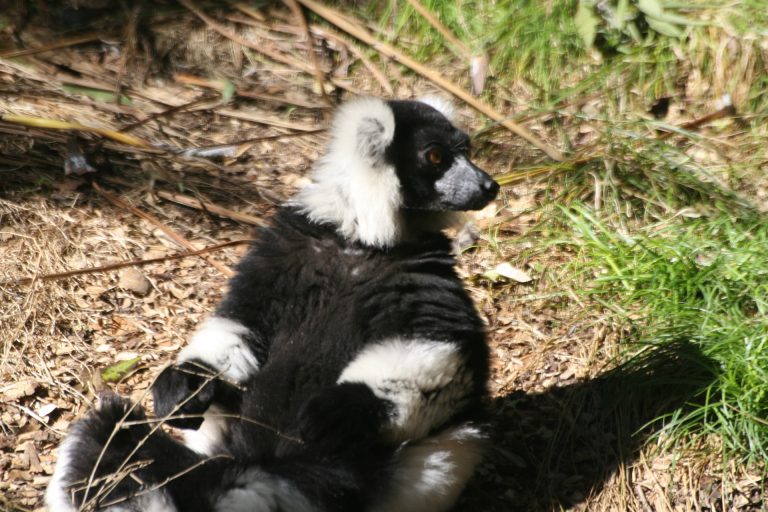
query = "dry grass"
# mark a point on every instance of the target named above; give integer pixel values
(569, 433)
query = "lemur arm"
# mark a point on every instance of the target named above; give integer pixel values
(221, 356)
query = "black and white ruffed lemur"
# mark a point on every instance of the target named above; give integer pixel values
(346, 330)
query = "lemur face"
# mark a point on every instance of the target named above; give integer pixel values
(430, 158)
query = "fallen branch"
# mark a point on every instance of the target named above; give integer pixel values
(587, 155)
(168, 112)
(362, 34)
(123, 264)
(211, 208)
(185, 78)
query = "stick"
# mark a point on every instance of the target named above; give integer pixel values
(296, 8)
(87, 38)
(224, 31)
(123, 264)
(360, 33)
(274, 55)
(432, 20)
(55, 124)
(376, 72)
(212, 208)
(257, 118)
(164, 228)
(167, 113)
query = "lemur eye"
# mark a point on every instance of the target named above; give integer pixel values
(435, 156)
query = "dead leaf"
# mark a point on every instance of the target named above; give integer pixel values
(507, 271)
(19, 389)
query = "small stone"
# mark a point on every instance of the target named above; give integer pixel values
(133, 280)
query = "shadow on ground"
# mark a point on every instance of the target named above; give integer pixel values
(551, 450)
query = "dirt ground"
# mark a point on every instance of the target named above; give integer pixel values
(567, 434)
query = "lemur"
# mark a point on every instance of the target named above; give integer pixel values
(346, 367)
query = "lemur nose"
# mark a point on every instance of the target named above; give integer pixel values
(491, 188)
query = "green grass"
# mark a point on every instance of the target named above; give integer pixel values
(704, 281)
(541, 43)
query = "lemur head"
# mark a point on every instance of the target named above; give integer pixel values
(386, 159)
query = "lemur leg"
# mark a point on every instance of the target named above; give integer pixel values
(341, 417)
(403, 390)
(425, 381)
(431, 473)
(220, 357)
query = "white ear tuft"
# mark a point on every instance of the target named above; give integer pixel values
(353, 186)
(442, 105)
(365, 126)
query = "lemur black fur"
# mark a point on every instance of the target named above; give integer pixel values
(345, 326)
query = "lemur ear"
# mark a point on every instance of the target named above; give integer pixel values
(442, 105)
(372, 139)
(370, 123)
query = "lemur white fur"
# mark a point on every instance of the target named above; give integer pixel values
(355, 189)
(425, 380)
(431, 473)
(352, 186)
(219, 343)
(56, 497)
(442, 105)
(257, 491)
(209, 439)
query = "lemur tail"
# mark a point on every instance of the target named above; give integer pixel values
(115, 459)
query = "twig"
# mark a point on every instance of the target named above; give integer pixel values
(256, 118)
(106, 489)
(327, 33)
(238, 147)
(432, 20)
(32, 414)
(72, 41)
(55, 124)
(146, 490)
(229, 416)
(727, 110)
(643, 500)
(167, 113)
(210, 207)
(276, 56)
(229, 34)
(299, 14)
(376, 72)
(279, 99)
(123, 264)
(164, 228)
(185, 78)
(362, 34)
(584, 156)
